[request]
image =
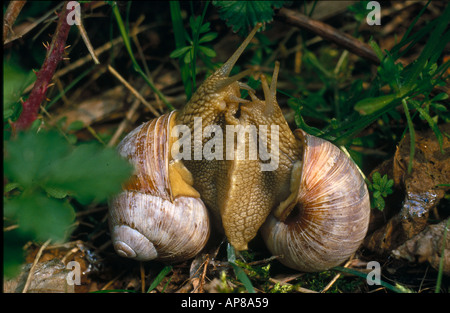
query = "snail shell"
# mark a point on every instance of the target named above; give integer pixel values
(329, 218)
(151, 219)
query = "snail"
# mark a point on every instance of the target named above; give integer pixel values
(304, 195)
(158, 215)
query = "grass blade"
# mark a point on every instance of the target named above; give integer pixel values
(431, 48)
(180, 42)
(240, 274)
(431, 123)
(166, 270)
(406, 37)
(397, 288)
(412, 136)
(136, 66)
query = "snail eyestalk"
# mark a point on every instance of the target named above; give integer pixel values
(225, 70)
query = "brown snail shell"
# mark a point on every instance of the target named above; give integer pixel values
(148, 220)
(330, 216)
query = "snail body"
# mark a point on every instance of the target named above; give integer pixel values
(305, 195)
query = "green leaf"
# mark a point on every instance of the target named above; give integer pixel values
(15, 80)
(204, 28)
(13, 257)
(390, 72)
(360, 10)
(207, 51)
(91, 172)
(42, 217)
(431, 123)
(240, 274)
(46, 160)
(440, 97)
(166, 270)
(179, 52)
(390, 183)
(76, 125)
(244, 15)
(28, 155)
(373, 44)
(11, 186)
(195, 23)
(188, 56)
(56, 192)
(379, 203)
(208, 37)
(376, 177)
(373, 104)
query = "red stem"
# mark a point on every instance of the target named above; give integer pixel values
(55, 52)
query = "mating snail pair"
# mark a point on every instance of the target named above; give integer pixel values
(312, 208)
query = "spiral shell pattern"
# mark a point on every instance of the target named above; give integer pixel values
(331, 216)
(146, 223)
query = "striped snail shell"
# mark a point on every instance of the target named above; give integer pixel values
(151, 219)
(328, 220)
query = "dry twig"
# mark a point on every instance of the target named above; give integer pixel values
(13, 10)
(36, 260)
(329, 33)
(32, 25)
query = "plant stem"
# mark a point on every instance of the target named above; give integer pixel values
(195, 38)
(54, 55)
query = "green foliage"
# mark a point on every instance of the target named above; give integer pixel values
(15, 80)
(47, 161)
(418, 78)
(343, 113)
(278, 288)
(158, 279)
(44, 173)
(40, 216)
(395, 288)
(194, 45)
(260, 273)
(189, 46)
(244, 15)
(240, 274)
(318, 281)
(187, 52)
(381, 188)
(241, 15)
(359, 10)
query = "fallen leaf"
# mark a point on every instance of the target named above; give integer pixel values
(428, 246)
